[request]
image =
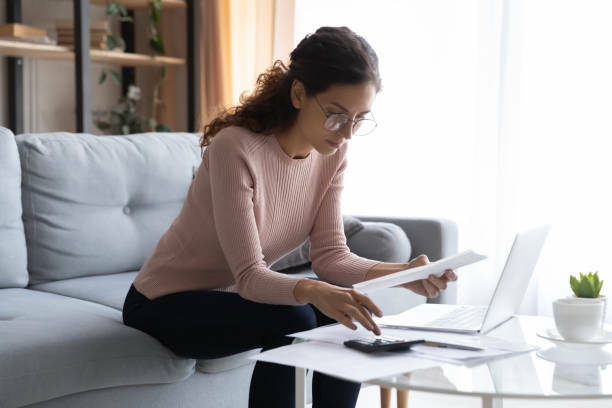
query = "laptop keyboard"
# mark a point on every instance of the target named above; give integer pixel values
(463, 317)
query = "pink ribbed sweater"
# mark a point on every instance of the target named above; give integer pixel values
(249, 204)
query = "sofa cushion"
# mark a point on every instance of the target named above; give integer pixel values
(107, 290)
(13, 253)
(301, 254)
(95, 205)
(382, 241)
(110, 290)
(55, 345)
(217, 365)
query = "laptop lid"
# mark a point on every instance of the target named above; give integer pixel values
(515, 277)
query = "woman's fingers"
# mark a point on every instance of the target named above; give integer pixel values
(430, 288)
(346, 320)
(450, 275)
(439, 283)
(367, 302)
(363, 317)
(418, 261)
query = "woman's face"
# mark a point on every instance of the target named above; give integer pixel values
(355, 101)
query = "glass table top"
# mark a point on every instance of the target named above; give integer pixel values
(525, 375)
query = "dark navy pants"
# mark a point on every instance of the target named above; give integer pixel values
(205, 324)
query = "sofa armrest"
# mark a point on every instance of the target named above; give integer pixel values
(434, 237)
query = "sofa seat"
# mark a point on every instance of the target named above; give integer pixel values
(53, 345)
(110, 290)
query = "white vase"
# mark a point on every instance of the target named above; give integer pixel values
(577, 319)
(600, 298)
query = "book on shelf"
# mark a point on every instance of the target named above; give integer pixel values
(96, 46)
(93, 39)
(33, 40)
(68, 24)
(21, 31)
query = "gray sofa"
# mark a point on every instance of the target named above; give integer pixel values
(79, 214)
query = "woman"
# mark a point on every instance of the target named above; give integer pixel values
(271, 176)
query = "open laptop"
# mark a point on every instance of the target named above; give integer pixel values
(505, 302)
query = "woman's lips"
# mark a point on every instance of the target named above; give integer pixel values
(336, 145)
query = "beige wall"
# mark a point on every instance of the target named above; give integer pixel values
(49, 90)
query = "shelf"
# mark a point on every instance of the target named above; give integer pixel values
(22, 49)
(137, 4)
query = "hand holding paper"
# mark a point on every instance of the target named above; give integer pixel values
(421, 272)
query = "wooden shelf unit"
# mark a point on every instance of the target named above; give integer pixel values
(45, 51)
(138, 4)
(82, 57)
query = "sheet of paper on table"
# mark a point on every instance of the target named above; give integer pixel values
(340, 361)
(493, 347)
(421, 272)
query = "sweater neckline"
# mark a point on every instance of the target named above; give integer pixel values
(284, 156)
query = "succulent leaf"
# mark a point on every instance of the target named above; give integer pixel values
(588, 286)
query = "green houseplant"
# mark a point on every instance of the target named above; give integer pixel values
(588, 286)
(123, 117)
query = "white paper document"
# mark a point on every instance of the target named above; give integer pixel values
(343, 362)
(421, 272)
(492, 347)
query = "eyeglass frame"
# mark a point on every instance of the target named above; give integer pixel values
(354, 121)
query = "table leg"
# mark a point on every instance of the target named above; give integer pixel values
(300, 387)
(385, 397)
(492, 402)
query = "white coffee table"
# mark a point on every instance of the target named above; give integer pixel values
(524, 376)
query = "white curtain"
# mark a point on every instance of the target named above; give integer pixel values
(494, 114)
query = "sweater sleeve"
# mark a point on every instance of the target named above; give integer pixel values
(331, 259)
(231, 184)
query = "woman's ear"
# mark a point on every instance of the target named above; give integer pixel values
(298, 94)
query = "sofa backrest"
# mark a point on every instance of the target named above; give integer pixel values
(95, 205)
(13, 254)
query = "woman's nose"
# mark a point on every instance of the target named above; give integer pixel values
(347, 130)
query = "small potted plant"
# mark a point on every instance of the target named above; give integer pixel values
(587, 289)
(580, 317)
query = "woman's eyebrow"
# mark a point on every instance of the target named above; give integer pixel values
(346, 110)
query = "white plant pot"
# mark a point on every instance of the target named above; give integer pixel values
(577, 319)
(600, 298)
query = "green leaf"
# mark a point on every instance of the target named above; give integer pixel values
(103, 125)
(120, 43)
(112, 8)
(598, 288)
(116, 77)
(102, 77)
(164, 70)
(110, 42)
(157, 44)
(122, 10)
(127, 19)
(155, 13)
(588, 286)
(574, 283)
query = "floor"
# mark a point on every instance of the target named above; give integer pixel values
(369, 397)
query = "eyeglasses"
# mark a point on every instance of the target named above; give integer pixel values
(336, 121)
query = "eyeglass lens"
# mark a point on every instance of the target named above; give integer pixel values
(361, 127)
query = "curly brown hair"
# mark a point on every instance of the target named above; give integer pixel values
(332, 55)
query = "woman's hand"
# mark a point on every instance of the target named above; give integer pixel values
(431, 286)
(341, 304)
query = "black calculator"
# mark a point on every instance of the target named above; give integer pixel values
(381, 344)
